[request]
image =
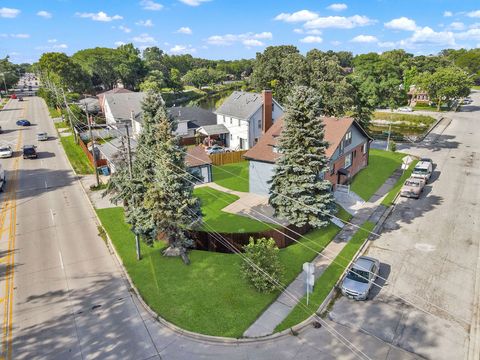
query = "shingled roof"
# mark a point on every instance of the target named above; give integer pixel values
(122, 104)
(240, 104)
(335, 130)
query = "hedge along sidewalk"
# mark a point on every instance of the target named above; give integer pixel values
(327, 281)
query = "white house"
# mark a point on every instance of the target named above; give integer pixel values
(247, 116)
(119, 108)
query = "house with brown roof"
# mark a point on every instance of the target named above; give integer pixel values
(348, 151)
(199, 163)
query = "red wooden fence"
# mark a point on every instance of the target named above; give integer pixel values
(100, 162)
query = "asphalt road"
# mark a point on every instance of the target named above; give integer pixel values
(65, 296)
(429, 251)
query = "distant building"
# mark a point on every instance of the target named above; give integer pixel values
(417, 95)
(247, 116)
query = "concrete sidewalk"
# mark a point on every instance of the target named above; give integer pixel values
(284, 304)
(96, 196)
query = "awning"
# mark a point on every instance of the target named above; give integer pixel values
(216, 129)
(343, 172)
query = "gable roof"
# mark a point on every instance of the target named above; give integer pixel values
(122, 104)
(241, 104)
(195, 116)
(114, 91)
(197, 156)
(335, 130)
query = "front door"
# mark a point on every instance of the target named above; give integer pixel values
(242, 144)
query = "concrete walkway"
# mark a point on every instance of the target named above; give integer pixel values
(281, 308)
(96, 197)
(350, 201)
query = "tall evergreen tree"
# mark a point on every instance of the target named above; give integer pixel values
(298, 192)
(157, 196)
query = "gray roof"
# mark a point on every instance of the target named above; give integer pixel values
(110, 148)
(122, 104)
(216, 129)
(92, 104)
(195, 116)
(241, 104)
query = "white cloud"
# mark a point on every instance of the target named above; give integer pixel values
(193, 2)
(125, 29)
(253, 42)
(298, 31)
(9, 12)
(314, 32)
(457, 25)
(447, 14)
(184, 30)
(386, 44)
(146, 23)
(20, 36)
(144, 39)
(339, 22)
(52, 41)
(364, 39)
(60, 46)
(119, 43)
(150, 5)
(402, 23)
(311, 39)
(335, 42)
(229, 39)
(471, 34)
(337, 7)
(474, 14)
(428, 36)
(44, 14)
(182, 49)
(299, 16)
(100, 16)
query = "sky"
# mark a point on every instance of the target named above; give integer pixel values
(234, 29)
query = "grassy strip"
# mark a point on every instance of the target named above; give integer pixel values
(388, 200)
(412, 119)
(381, 164)
(222, 175)
(476, 87)
(54, 113)
(76, 156)
(327, 280)
(61, 125)
(209, 296)
(213, 201)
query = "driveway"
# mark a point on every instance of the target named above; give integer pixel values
(429, 250)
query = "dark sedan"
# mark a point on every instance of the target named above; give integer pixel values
(23, 122)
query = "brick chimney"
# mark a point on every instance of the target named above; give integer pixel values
(267, 110)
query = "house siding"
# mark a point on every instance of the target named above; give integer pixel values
(359, 161)
(205, 171)
(109, 118)
(259, 175)
(357, 139)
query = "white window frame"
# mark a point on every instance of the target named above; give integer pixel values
(348, 156)
(364, 148)
(348, 138)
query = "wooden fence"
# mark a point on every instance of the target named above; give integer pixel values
(284, 237)
(227, 157)
(100, 162)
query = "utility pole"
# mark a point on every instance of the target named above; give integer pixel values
(68, 115)
(129, 155)
(388, 138)
(94, 153)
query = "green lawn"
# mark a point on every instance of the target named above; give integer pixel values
(209, 296)
(388, 200)
(413, 119)
(426, 107)
(76, 156)
(381, 165)
(327, 280)
(226, 176)
(476, 87)
(213, 201)
(61, 125)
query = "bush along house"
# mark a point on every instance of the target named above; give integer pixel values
(348, 151)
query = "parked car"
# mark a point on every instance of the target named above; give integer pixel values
(30, 152)
(6, 151)
(427, 160)
(20, 98)
(413, 187)
(423, 170)
(13, 96)
(42, 136)
(23, 122)
(360, 278)
(405, 109)
(215, 149)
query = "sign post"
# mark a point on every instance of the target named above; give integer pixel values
(309, 269)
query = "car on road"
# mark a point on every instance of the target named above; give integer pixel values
(412, 188)
(13, 96)
(360, 278)
(423, 170)
(405, 109)
(42, 136)
(23, 122)
(20, 98)
(215, 149)
(6, 151)
(30, 152)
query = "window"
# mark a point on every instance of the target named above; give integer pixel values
(238, 122)
(260, 123)
(273, 107)
(364, 148)
(231, 137)
(341, 148)
(224, 119)
(354, 154)
(348, 138)
(348, 161)
(332, 168)
(231, 121)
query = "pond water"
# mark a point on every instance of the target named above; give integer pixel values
(398, 133)
(210, 102)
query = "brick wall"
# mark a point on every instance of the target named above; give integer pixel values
(359, 161)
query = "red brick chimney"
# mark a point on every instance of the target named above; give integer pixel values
(267, 110)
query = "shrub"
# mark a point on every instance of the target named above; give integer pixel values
(264, 253)
(392, 146)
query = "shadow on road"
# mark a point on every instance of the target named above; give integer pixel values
(381, 280)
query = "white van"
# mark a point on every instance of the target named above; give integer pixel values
(423, 170)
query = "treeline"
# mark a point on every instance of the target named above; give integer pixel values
(101, 69)
(10, 73)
